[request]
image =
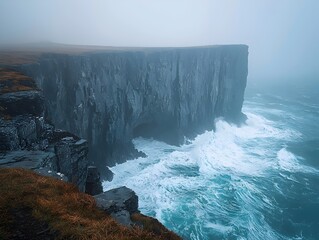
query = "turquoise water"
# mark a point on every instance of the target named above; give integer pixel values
(258, 181)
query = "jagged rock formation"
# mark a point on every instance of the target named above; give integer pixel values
(111, 96)
(28, 141)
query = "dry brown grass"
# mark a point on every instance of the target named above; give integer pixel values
(68, 212)
(12, 81)
(154, 226)
(17, 58)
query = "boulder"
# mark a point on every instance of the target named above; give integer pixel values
(120, 203)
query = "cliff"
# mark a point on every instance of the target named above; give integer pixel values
(111, 96)
(42, 207)
(28, 141)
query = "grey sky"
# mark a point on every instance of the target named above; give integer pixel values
(283, 35)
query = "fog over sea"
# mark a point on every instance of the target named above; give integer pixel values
(257, 181)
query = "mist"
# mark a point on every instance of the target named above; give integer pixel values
(283, 36)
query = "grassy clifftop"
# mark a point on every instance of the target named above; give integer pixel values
(38, 207)
(12, 81)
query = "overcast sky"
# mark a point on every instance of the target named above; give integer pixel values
(283, 35)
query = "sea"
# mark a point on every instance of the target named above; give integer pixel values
(258, 181)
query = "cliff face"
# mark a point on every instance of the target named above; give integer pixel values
(110, 97)
(28, 141)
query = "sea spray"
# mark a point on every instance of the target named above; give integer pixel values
(234, 183)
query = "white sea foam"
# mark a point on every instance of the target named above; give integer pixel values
(219, 227)
(214, 175)
(287, 161)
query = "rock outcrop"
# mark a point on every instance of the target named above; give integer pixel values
(28, 141)
(120, 203)
(111, 96)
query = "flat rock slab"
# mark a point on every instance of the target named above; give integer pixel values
(34, 160)
(25, 159)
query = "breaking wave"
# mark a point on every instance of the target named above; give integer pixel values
(226, 184)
